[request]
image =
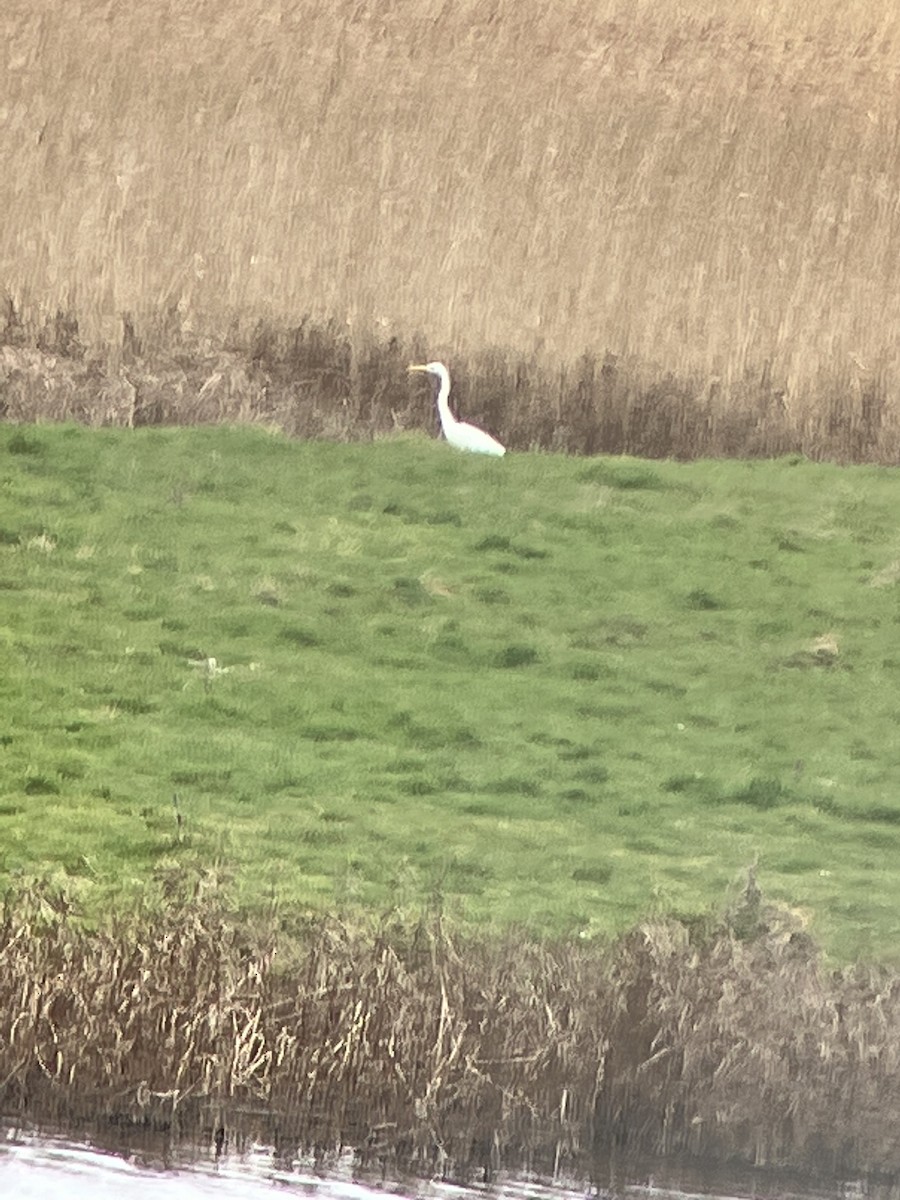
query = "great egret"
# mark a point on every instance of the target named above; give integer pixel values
(458, 433)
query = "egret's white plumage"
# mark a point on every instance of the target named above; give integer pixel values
(458, 433)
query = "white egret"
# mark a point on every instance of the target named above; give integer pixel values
(458, 433)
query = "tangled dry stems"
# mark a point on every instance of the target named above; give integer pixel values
(314, 381)
(428, 1051)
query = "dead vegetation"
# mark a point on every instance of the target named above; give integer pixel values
(629, 227)
(427, 1051)
(315, 382)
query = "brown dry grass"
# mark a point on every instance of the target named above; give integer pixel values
(704, 203)
(425, 1052)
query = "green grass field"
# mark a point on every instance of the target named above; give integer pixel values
(560, 693)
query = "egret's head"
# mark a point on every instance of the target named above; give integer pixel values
(432, 368)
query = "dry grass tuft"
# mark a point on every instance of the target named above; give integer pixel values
(680, 226)
(428, 1053)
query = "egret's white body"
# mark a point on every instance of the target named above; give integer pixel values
(458, 433)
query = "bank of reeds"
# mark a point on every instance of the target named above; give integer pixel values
(679, 226)
(431, 1051)
(316, 382)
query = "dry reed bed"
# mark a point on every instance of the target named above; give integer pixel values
(314, 382)
(704, 204)
(428, 1051)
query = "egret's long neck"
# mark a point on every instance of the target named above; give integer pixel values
(447, 418)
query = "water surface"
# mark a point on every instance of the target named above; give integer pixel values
(38, 1166)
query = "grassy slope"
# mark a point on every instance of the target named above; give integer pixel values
(563, 692)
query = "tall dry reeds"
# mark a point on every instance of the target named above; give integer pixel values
(431, 1051)
(702, 202)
